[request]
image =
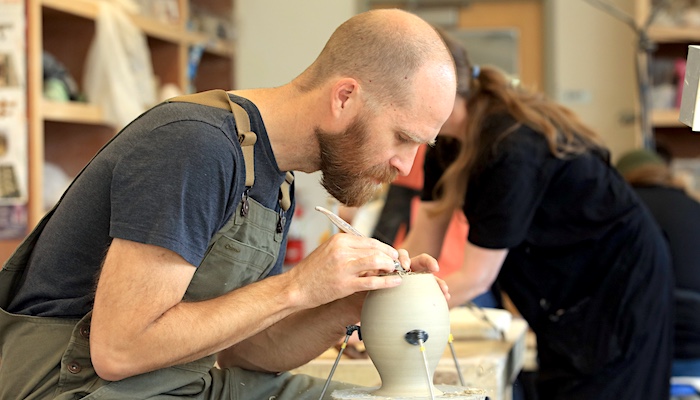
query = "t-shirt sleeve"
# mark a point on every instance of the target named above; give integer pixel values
(505, 192)
(172, 188)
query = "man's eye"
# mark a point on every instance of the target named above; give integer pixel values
(403, 139)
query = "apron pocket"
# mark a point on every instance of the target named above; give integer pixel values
(581, 335)
(230, 264)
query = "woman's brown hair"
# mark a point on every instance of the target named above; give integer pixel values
(491, 92)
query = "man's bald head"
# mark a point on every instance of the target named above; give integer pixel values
(382, 50)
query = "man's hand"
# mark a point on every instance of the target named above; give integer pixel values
(343, 265)
(424, 263)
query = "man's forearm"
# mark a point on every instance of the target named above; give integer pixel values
(136, 331)
(295, 340)
(181, 334)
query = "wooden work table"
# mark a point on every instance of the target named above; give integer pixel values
(486, 363)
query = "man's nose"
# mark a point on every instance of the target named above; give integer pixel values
(403, 162)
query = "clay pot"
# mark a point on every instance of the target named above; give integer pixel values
(388, 315)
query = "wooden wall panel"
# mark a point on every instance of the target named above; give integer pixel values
(527, 18)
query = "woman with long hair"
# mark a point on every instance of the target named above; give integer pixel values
(553, 223)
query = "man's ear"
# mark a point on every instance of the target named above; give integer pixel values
(345, 98)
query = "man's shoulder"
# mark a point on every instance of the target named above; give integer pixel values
(184, 124)
(175, 112)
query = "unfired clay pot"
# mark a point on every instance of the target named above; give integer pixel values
(387, 316)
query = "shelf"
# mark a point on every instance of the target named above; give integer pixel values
(218, 47)
(90, 8)
(157, 29)
(72, 112)
(666, 118)
(667, 34)
(68, 134)
(152, 28)
(82, 8)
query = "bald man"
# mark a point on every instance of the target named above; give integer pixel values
(165, 254)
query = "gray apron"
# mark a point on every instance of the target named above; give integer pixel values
(49, 358)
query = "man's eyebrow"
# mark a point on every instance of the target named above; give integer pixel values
(415, 138)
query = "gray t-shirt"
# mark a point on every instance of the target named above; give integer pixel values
(172, 178)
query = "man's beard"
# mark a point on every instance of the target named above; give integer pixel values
(347, 172)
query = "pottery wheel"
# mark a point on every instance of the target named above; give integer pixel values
(448, 392)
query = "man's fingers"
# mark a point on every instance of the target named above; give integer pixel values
(380, 282)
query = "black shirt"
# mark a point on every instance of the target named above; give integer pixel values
(679, 218)
(555, 215)
(587, 267)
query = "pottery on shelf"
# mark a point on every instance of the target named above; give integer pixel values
(388, 315)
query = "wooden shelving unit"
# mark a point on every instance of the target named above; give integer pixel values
(70, 133)
(672, 42)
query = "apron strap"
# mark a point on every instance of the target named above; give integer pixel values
(285, 199)
(219, 99)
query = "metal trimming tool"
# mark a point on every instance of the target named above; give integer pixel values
(348, 332)
(454, 357)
